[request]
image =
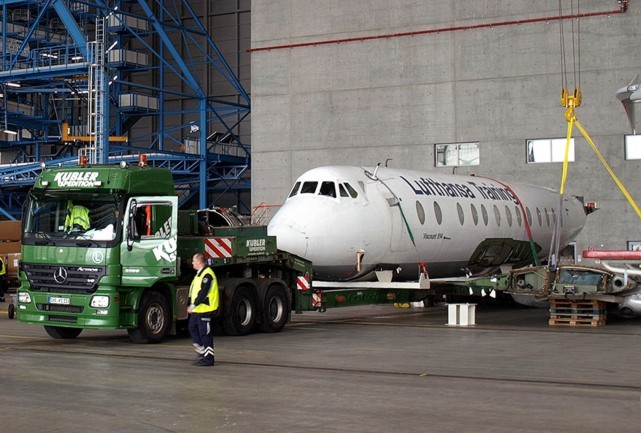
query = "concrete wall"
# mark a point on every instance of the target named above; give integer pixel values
(362, 102)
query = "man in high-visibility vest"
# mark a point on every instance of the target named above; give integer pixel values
(77, 217)
(3, 279)
(203, 303)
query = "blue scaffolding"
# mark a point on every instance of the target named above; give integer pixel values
(111, 80)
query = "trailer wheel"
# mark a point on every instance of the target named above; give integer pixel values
(153, 319)
(63, 333)
(240, 316)
(275, 312)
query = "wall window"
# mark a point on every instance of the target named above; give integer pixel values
(456, 154)
(632, 147)
(634, 245)
(548, 150)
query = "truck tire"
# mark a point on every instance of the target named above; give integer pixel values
(240, 314)
(275, 311)
(61, 333)
(11, 311)
(153, 319)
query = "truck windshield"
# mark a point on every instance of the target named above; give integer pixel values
(54, 218)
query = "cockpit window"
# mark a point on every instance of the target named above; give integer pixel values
(328, 189)
(342, 190)
(309, 188)
(294, 189)
(352, 192)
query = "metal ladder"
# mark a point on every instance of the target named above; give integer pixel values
(96, 94)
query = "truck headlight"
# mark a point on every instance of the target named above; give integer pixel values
(24, 298)
(100, 301)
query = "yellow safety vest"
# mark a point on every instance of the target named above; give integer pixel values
(79, 216)
(212, 296)
(3, 269)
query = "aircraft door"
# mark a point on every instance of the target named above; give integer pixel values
(148, 250)
(400, 239)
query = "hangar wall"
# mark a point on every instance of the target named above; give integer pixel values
(362, 102)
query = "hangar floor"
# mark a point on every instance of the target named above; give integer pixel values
(365, 369)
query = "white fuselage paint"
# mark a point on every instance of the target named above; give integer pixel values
(332, 231)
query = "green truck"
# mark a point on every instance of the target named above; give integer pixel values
(129, 266)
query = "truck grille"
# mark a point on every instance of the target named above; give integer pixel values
(65, 319)
(63, 279)
(59, 308)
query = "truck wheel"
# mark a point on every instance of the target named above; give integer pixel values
(63, 333)
(11, 311)
(153, 319)
(275, 312)
(240, 316)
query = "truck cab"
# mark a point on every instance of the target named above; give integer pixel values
(93, 238)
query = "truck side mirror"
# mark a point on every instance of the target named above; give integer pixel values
(131, 224)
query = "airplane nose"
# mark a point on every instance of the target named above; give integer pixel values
(289, 237)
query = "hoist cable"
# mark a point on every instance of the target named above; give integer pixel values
(562, 48)
(578, 44)
(575, 43)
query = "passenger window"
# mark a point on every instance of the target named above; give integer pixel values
(352, 192)
(529, 216)
(517, 211)
(497, 216)
(475, 214)
(342, 191)
(328, 189)
(309, 188)
(438, 213)
(553, 216)
(508, 214)
(538, 216)
(461, 215)
(294, 189)
(420, 212)
(547, 216)
(484, 213)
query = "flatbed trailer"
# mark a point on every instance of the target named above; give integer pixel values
(130, 267)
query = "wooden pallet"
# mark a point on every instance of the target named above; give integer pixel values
(593, 321)
(577, 313)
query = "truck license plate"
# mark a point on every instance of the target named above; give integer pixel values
(59, 301)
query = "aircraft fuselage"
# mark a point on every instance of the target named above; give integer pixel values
(350, 221)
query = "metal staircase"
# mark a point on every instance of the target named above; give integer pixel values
(152, 76)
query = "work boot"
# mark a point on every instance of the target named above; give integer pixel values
(205, 362)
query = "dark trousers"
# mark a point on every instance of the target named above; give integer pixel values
(202, 335)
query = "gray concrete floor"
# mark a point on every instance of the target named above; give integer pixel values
(365, 369)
